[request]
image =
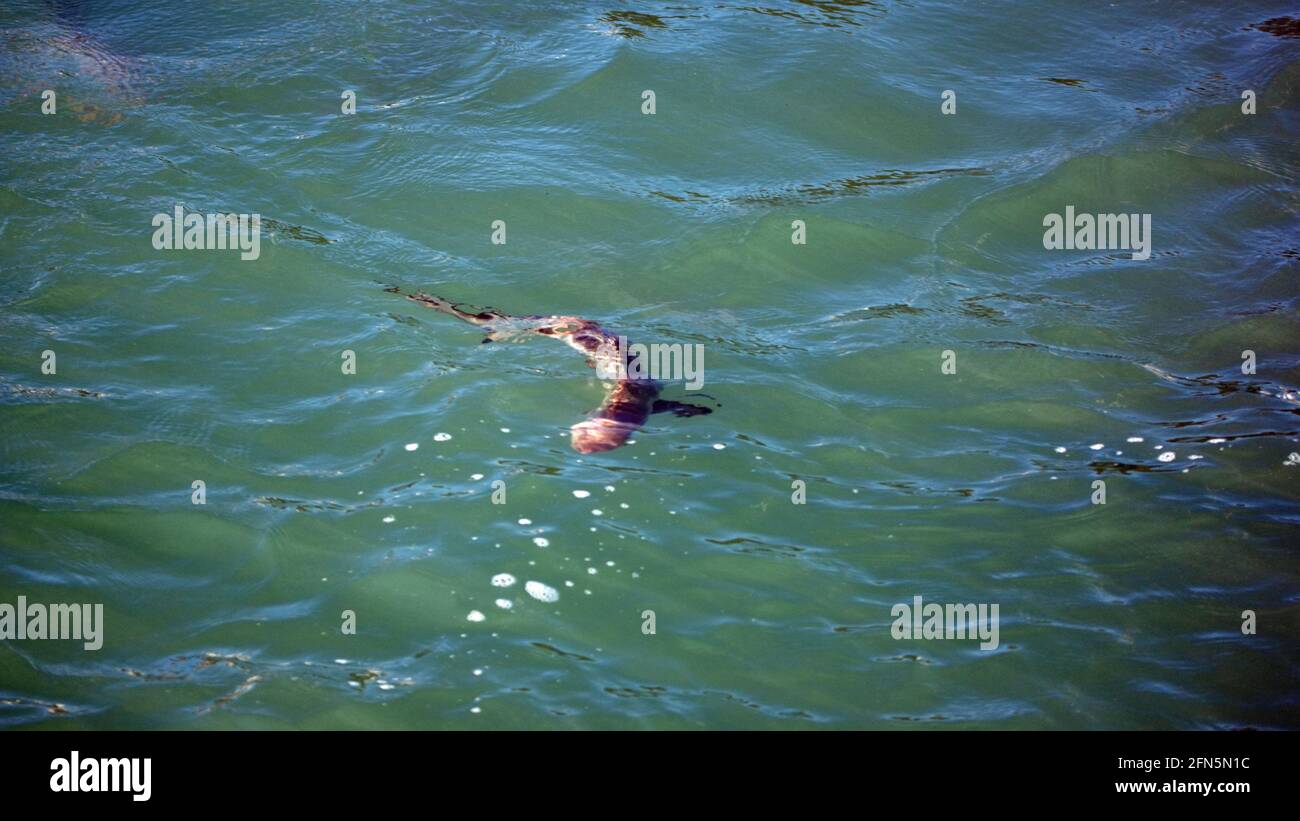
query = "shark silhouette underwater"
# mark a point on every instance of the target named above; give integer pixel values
(628, 404)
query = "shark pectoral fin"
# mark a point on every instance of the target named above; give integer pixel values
(679, 408)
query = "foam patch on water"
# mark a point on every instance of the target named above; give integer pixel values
(475, 615)
(541, 541)
(581, 494)
(505, 604)
(1167, 456)
(503, 580)
(441, 437)
(412, 445)
(542, 592)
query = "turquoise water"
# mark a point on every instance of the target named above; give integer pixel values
(924, 234)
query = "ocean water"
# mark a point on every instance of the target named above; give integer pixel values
(942, 389)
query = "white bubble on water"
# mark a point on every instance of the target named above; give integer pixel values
(505, 604)
(719, 446)
(412, 445)
(1217, 441)
(541, 541)
(581, 494)
(1134, 439)
(389, 519)
(1195, 456)
(525, 522)
(1097, 446)
(441, 437)
(542, 592)
(597, 512)
(476, 476)
(502, 580)
(609, 488)
(1059, 449)
(1168, 456)
(474, 615)
(505, 430)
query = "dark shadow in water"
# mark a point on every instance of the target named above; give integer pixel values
(826, 13)
(693, 195)
(1278, 26)
(1220, 386)
(297, 232)
(305, 506)
(816, 192)
(271, 226)
(890, 178)
(835, 14)
(1125, 468)
(32, 56)
(645, 691)
(632, 23)
(756, 547)
(1067, 81)
(974, 307)
(562, 653)
(1229, 438)
(879, 312)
